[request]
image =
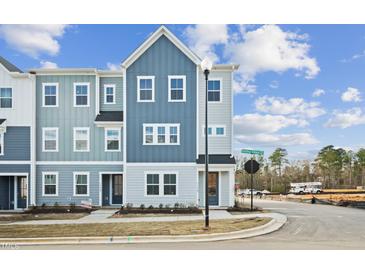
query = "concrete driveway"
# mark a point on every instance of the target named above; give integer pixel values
(308, 227)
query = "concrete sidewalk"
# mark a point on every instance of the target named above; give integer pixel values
(102, 216)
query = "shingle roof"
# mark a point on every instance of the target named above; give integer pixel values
(9, 66)
(217, 159)
(109, 116)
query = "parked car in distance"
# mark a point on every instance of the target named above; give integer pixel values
(247, 191)
(306, 188)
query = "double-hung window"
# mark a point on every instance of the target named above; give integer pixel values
(161, 134)
(6, 98)
(177, 88)
(50, 94)
(161, 183)
(81, 94)
(81, 139)
(1, 143)
(214, 90)
(50, 183)
(50, 139)
(112, 139)
(81, 183)
(169, 184)
(109, 94)
(153, 184)
(145, 88)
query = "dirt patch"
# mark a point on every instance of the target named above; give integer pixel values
(49, 216)
(129, 229)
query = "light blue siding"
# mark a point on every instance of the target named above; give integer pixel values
(65, 182)
(163, 58)
(16, 144)
(65, 117)
(118, 82)
(187, 186)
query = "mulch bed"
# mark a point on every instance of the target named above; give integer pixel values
(58, 209)
(126, 211)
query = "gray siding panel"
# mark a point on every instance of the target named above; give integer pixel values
(187, 186)
(65, 183)
(163, 58)
(17, 144)
(118, 82)
(14, 169)
(65, 117)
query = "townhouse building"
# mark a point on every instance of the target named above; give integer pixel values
(131, 136)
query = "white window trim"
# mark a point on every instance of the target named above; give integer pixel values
(161, 183)
(214, 130)
(88, 139)
(220, 91)
(44, 129)
(12, 99)
(88, 94)
(43, 185)
(138, 89)
(88, 183)
(167, 134)
(106, 140)
(2, 141)
(105, 95)
(183, 77)
(44, 95)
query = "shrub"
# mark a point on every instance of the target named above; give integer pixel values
(129, 205)
(167, 206)
(55, 204)
(142, 206)
(44, 205)
(150, 207)
(160, 206)
(176, 205)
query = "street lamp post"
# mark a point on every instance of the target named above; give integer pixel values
(206, 66)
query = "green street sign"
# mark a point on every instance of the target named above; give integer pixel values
(253, 152)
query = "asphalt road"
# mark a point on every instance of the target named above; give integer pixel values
(308, 227)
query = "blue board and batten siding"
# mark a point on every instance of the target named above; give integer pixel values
(162, 59)
(118, 82)
(17, 144)
(66, 117)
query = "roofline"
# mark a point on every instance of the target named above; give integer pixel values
(162, 30)
(230, 67)
(76, 70)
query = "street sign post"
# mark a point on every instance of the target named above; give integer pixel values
(252, 166)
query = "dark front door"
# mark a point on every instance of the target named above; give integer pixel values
(213, 181)
(117, 189)
(106, 189)
(22, 191)
(6, 192)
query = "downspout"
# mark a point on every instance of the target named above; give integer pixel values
(33, 142)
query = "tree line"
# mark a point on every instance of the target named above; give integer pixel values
(334, 167)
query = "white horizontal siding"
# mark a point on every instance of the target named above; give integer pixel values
(187, 186)
(218, 114)
(23, 99)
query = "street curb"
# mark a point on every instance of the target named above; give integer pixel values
(278, 220)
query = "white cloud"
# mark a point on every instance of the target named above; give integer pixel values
(349, 118)
(254, 123)
(278, 139)
(33, 40)
(257, 50)
(351, 95)
(203, 38)
(318, 92)
(48, 65)
(292, 106)
(112, 66)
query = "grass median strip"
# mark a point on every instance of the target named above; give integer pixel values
(7, 218)
(128, 229)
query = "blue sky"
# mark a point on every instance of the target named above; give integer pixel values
(281, 68)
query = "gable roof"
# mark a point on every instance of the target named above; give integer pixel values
(9, 66)
(152, 39)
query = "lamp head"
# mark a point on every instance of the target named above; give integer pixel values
(206, 64)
